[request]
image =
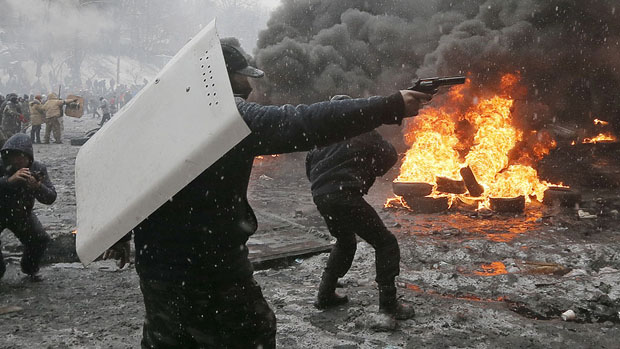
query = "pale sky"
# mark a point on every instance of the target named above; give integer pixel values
(270, 3)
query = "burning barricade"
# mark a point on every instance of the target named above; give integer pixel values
(471, 152)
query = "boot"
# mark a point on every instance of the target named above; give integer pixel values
(389, 305)
(327, 297)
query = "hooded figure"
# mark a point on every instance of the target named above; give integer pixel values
(22, 181)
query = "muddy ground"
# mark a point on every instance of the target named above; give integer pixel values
(476, 280)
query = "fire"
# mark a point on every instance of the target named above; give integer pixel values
(495, 268)
(600, 122)
(433, 150)
(438, 148)
(602, 137)
(395, 202)
(261, 157)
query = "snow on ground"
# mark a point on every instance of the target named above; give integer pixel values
(101, 306)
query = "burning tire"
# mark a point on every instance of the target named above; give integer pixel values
(412, 189)
(563, 196)
(427, 204)
(512, 205)
(450, 186)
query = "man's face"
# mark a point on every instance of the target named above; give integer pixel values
(17, 160)
(240, 85)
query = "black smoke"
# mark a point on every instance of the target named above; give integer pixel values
(567, 52)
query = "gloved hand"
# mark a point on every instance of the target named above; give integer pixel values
(119, 251)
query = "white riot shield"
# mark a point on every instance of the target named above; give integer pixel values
(169, 133)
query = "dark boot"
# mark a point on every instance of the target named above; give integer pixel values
(388, 304)
(33, 253)
(327, 296)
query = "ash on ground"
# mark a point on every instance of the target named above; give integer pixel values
(477, 281)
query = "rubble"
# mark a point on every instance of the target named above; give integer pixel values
(440, 254)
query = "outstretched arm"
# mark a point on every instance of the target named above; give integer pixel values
(297, 128)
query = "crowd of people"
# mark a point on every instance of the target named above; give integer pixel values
(23, 113)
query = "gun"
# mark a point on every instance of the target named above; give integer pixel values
(38, 175)
(430, 85)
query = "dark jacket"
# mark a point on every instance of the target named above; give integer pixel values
(350, 166)
(16, 199)
(199, 235)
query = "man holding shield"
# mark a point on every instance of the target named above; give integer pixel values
(191, 253)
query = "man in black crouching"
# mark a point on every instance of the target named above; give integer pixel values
(22, 180)
(341, 174)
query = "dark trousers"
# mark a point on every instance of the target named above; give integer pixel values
(104, 118)
(35, 133)
(347, 215)
(33, 237)
(235, 315)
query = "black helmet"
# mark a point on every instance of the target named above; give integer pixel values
(236, 62)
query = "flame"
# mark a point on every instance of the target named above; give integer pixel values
(467, 297)
(261, 157)
(602, 137)
(395, 202)
(439, 149)
(600, 122)
(433, 151)
(74, 232)
(495, 268)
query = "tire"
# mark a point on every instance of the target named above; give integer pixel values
(412, 189)
(79, 141)
(427, 204)
(566, 197)
(508, 205)
(92, 132)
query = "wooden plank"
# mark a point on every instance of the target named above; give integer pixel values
(280, 238)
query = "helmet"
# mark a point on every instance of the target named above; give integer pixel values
(236, 62)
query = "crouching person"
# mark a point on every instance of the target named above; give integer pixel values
(22, 180)
(341, 174)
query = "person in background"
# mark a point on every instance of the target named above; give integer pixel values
(53, 113)
(191, 253)
(11, 116)
(105, 110)
(24, 104)
(22, 181)
(37, 117)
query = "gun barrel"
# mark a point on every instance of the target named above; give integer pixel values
(453, 80)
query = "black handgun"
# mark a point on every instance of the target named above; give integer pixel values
(38, 175)
(430, 85)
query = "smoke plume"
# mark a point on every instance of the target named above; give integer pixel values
(566, 52)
